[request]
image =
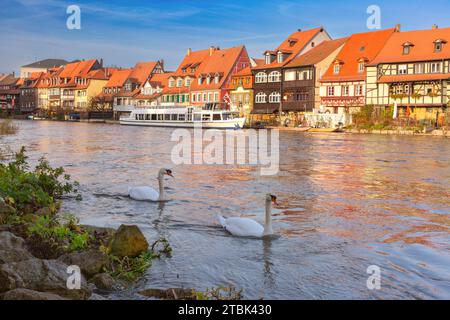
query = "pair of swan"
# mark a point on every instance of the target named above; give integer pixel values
(240, 227)
(148, 193)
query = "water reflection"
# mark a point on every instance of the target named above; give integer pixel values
(347, 202)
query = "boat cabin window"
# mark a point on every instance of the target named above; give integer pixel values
(153, 116)
(197, 117)
(136, 116)
(228, 116)
(160, 117)
(173, 117)
(206, 117)
(181, 117)
(217, 117)
(167, 117)
(141, 117)
(147, 117)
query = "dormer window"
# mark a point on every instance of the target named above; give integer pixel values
(216, 79)
(208, 80)
(183, 70)
(199, 80)
(268, 60)
(407, 47)
(438, 45)
(187, 82)
(280, 57)
(171, 83)
(337, 69)
(361, 66)
(179, 82)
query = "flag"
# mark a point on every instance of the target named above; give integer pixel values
(226, 99)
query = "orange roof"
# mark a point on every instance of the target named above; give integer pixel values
(360, 45)
(244, 72)
(142, 70)
(422, 49)
(293, 45)
(414, 77)
(192, 60)
(317, 54)
(118, 78)
(221, 62)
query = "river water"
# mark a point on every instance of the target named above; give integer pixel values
(347, 202)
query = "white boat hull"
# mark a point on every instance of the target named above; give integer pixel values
(237, 123)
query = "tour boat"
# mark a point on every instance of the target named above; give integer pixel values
(209, 116)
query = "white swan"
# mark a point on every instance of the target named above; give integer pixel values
(244, 227)
(148, 193)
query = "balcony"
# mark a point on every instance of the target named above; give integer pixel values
(298, 84)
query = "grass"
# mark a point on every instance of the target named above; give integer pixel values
(7, 127)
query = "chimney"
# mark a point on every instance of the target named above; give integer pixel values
(434, 27)
(398, 27)
(161, 62)
(299, 30)
(189, 51)
(101, 62)
(211, 50)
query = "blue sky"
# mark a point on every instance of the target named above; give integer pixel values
(124, 32)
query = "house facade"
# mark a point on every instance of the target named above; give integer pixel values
(343, 86)
(413, 72)
(301, 79)
(9, 94)
(29, 95)
(241, 92)
(268, 76)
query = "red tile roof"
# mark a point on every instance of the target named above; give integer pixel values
(317, 54)
(422, 49)
(293, 45)
(118, 78)
(361, 45)
(142, 71)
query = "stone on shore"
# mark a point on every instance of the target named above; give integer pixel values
(26, 294)
(12, 248)
(106, 282)
(128, 241)
(90, 262)
(41, 275)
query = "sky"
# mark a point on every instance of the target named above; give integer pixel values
(123, 32)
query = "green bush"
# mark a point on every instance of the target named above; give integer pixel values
(28, 191)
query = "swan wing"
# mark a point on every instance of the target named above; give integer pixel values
(244, 227)
(143, 193)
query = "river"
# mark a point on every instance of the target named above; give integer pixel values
(347, 202)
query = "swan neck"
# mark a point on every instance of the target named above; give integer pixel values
(268, 226)
(161, 187)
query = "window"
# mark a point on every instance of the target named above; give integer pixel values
(289, 75)
(268, 59)
(345, 90)
(217, 117)
(406, 49)
(330, 91)
(275, 76)
(171, 83)
(419, 68)
(260, 97)
(280, 57)
(403, 69)
(181, 117)
(199, 80)
(436, 67)
(216, 79)
(361, 67)
(199, 97)
(261, 77)
(438, 46)
(337, 68)
(359, 90)
(179, 82)
(216, 97)
(274, 97)
(208, 80)
(193, 97)
(187, 82)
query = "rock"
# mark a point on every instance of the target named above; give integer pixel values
(95, 296)
(106, 282)
(90, 262)
(128, 241)
(171, 294)
(41, 275)
(26, 294)
(12, 248)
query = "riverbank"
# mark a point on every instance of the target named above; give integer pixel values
(47, 255)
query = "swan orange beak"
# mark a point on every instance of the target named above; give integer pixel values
(274, 200)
